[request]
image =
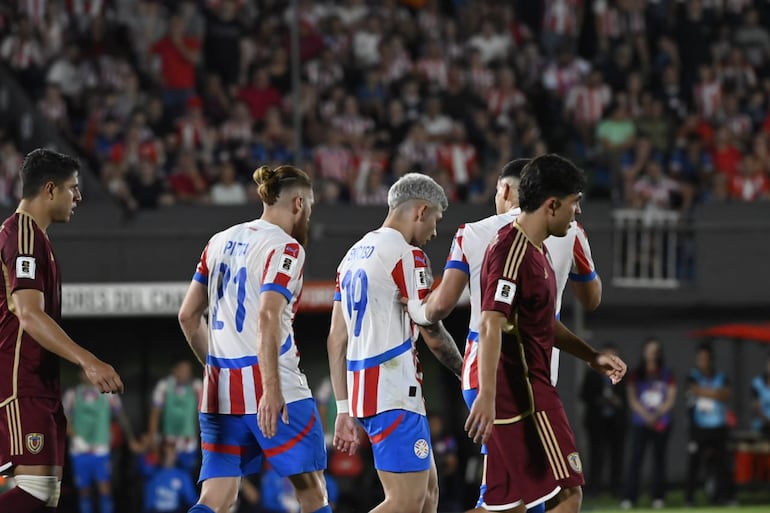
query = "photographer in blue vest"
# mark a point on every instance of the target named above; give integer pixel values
(708, 392)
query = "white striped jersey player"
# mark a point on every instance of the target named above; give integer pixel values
(570, 257)
(466, 254)
(238, 265)
(383, 371)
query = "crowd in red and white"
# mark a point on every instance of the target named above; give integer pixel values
(664, 103)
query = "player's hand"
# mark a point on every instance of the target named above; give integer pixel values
(271, 406)
(610, 365)
(103, 376)
(481, 419)
(345, 434)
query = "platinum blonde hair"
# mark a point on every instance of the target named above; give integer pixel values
(414, 186)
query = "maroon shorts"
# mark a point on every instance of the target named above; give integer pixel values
(531, 460)
(33, 431)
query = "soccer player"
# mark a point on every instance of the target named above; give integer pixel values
(532, 455)
(571, 258)
(256, 401)
(89, 415)
(173, 418)
(33, 429)
(375, 371)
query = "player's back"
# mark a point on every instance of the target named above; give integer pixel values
(237, 266)
(27, 263)
(383, 371)
(467, 254)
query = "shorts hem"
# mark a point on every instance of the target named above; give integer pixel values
(502, 507)
(5, 466)
(545, 497)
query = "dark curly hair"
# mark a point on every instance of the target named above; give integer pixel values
(547, 176)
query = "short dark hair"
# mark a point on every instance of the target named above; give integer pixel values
(546, 176)
(41, 166)
(513, 168)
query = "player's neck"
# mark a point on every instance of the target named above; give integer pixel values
(395, 222)
(535, 228)
(279, 219)
(37, 211)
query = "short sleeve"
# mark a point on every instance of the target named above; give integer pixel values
(159, 393)
(498, 287)
(412, 274)
(583, 268)
(456, 258)
(283, 270)
(202, 269)
(28, 264)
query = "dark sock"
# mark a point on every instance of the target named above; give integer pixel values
(19, 501)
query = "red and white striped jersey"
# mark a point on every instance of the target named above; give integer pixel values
(383, 371)
(561, 17)
(571, 260)
(588, 103)
(237, 266)
(434, 71)
(466, 254)
(708, 98)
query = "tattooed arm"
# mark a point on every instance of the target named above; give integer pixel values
(443, 346)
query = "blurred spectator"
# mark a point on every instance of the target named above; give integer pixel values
(178, 55)
(606, 421)
(651, 392)
(258, 94)
(708, 391)
(227, 190)
(760, 399)
(751, 183)
(653, 189)
(167, 487)
(222, 43)
(447, 464)
(23, 51)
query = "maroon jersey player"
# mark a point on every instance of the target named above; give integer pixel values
(532, 454)
(32, 422)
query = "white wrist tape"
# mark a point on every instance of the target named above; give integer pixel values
(418, 312)
(342, 406)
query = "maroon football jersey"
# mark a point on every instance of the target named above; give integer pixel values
(517, 280)
(26, 256)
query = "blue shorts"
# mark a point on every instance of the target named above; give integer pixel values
(400, 441)
(88, 469)
(470, 396)
(233, 445)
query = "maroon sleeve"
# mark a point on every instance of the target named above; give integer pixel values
(498, 289)
(28, 263)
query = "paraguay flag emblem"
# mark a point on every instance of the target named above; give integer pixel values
(35, 442)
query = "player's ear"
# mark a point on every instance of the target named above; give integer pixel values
(422, 211)
(49, 188)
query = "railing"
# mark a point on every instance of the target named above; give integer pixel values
(649, 248)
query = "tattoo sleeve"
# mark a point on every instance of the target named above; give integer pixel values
(443, 346)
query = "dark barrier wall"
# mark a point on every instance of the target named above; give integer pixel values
(731, 245)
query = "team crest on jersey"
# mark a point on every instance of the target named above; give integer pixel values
(35, 442)
(505, 291)
(25, 267)
(574, 462)
(421, 449)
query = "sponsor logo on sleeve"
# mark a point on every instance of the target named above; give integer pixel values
(25, 267)
(505, 291)
(288, 263)
(421, 278)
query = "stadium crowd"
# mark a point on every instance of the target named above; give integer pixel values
(665, 103)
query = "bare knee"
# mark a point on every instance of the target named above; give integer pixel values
(310, 489)
(567, 501)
